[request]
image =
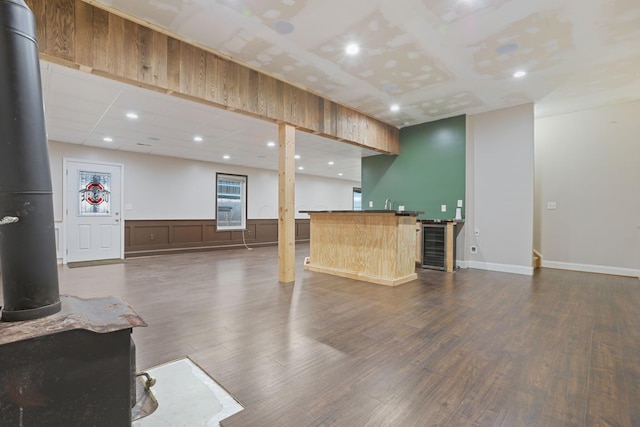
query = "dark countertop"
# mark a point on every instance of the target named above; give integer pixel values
(378, 211)
(437, 221)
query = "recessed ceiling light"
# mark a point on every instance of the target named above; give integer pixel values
(226, 157)
(132, 115)
(271, 144)
(340, 174)
(519, 74)
(352, 49)
(395, 107)
(107, 139)
(197, 138)
(331, 163)
(297, 156)
(300, 168)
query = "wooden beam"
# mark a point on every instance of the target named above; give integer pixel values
(87, 35)
(286, 203)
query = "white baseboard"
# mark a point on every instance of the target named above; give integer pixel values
(589, 268)
(461, 264)
(504, 268)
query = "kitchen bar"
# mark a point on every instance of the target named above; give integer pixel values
(376, 246)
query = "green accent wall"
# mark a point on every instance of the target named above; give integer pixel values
(428, 172)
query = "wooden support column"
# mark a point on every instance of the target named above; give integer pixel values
(286, 204)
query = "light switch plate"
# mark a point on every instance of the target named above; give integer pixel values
(459, 203)
(370, 203)
(443, 208)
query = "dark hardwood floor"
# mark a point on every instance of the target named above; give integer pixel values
(472, 348)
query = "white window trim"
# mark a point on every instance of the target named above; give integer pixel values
(243, 179)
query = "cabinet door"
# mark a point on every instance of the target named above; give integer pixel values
(434, 246)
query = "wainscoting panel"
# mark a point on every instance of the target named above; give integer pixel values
(148, 237)
(268, 231)
(151, 235)
(187, 234)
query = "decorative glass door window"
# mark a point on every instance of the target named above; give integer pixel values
(94, 193)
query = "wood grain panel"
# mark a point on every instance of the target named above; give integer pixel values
(286, 203)
(80, 35)
(152, 56)
(192, 71)
(100, 41)
(61, 28)
(406, 250)
(116, 63)
(84, 51)
(252, 91)
(131, 53)
(173, 65)
(244, 95)
(374, 247)
(211, 81)
(229, 79)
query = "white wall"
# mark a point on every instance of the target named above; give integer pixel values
(500, 190)
(168, 188)
(588, 163)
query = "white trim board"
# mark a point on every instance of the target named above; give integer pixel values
(588, 268)
(503, 268)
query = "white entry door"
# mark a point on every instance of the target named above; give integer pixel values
(93, 220)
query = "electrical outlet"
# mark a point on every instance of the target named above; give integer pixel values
(551, 205)
(459, 203)
(473, 249)
(443, 208)
(370, 203)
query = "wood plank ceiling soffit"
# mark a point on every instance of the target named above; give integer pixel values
(77, 34)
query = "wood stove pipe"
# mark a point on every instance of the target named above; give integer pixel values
(27, 235)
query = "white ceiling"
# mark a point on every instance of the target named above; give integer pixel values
(434, 58)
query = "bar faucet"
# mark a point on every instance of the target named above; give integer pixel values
(388, 204)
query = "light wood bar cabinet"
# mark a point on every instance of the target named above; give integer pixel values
(373, 246)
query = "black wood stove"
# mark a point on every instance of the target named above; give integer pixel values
(63, 361)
